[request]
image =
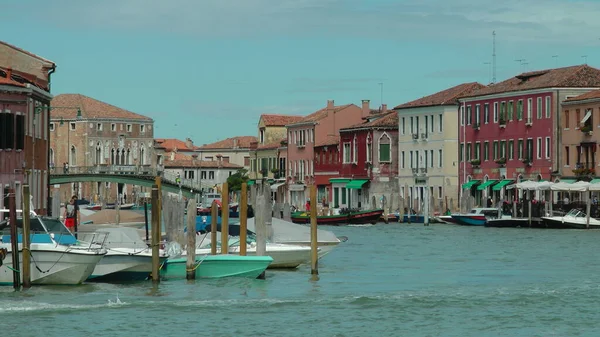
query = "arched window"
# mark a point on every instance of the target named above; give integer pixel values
(51, 159)
(112, 157)
(369, 149)
(128, 157)
(142, 156)
(73, 156)
(98, 154)
(122, 156)
(385, 149)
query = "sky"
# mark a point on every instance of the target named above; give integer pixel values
(207, 69)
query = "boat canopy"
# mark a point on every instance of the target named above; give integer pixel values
(486, 184)
(580, 186)
(356, 184)
(568, 181)
(469, 184)
(501, 184)
(595, 181)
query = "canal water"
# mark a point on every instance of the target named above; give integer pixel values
(386, 280)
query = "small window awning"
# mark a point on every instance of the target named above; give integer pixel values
(486, 184)
(274, 187)
(250, 182)
(568, 181)
(356, 184)
(501, 184)
(339, 180)
(595, 181)
(587, 116)
(469, 184)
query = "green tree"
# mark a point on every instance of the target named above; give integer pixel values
(235, 180)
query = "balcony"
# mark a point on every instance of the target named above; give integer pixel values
(475, 163)
(528, 121)
(584, 173)
(527, 161)
(476, 126)
(587, 130)
(501, 162)
(502, 122)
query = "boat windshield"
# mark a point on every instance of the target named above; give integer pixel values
(576, 213)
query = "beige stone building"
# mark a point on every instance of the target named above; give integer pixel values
(90, 135)
(235, 150)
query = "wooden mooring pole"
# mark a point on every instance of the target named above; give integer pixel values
(191, 240)
(155, 234)
(26, 270)
(243, 219)
(314, 244)
(14, 240)
(225, 219)
(146, 220)
(214, 213)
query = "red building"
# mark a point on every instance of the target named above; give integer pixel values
(326, 165)
(24, 127)
(368, 161)
(509, 131)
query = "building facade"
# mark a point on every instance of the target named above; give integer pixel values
(580, 130)
(509, 130)
(235, 150)
(428, 144)
(24, 100)
(88, 134)
(368, 162)
(167, 146)
(305, 133)
(327, 168)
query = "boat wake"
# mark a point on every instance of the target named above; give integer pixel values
(116, 302)
(29, 306)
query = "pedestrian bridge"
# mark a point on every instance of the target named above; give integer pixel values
(134, 175)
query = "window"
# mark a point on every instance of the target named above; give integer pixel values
(142, 128)
(462, 115)
(426, 125)
(566, 119)
(347, 153)
(412, 126)
(539, 148)
(72, 126)
(211, 175)
(510, 109)
(469, 115)
(567, 156)
(402, 159)
(432, 123)
(441, 123)
(520, 110)
(51, 127)
(502, 149)
(403, 125)
(385, 149)
(477, 114)
(486, 151)
(548, 107)
(503, 111)
(417, 128)
(20, 143)
(511, 149)
(412, 160)
(431, 158)
(477, 153)
(520, 150)
(128, 127)
(369, 150)
(539, 108)
(440, 158)
(246, 161)
(495, 112)
(355, 152)
(461, 154)
(547, 147)
(113, 127)
(529, 110)
(530, 148)
(99, 126)
(495, 153)
(486, 113)
(426, 157)
(468, 154)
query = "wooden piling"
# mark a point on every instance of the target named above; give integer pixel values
(225, 218)
(314, 257)
(260, 222)
(146, 221)
(213, 228)
(14, 239)
(587, 210)
(26, 270)
(191, 240)
(243, 219)
(529, 210)
(155, 233)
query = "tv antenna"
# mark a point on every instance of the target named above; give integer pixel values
(555, 57)
(584, 59)
(494, 57)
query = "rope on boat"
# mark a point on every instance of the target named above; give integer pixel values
(197, 264)
(13, 269)
(36, 265)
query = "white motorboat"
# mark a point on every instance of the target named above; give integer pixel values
(575, 218)
(57, 258)
(128, 257)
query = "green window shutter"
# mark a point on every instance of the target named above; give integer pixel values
(384, 152)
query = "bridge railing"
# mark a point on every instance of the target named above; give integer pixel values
(107, 169)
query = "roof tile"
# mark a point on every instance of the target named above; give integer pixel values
(328, 141)
(170, 144)
(243, 142)
(320, 114)
(387, 120)
(445, 97)
(182, 160)
(594, 94)
(90, 108)
(279, 120)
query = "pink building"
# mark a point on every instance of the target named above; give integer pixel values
(303, 135)
(509, 131)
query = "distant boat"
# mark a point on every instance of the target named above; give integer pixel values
(94, 207)
(351, 217)
(476, 217)
(126, 206)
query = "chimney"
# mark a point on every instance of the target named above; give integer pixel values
(172, 155)
(330, 104)
(365, 107)
(235, 143)
(189, 143)
(383, 107)
(8, 72)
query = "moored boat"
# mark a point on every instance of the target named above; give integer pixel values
(217, 266)
(476, 217)
(574, 219)
(344, 218)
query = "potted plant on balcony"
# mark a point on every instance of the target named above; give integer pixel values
(264, 172)
(476, 126)
(527, 161)
(586, 129)
(501, 162)
(475, 162)
(275, 173)
(502, 121)
(583, 172)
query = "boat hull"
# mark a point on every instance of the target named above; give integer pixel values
(356, 218)
(123, 267)
(218, 266)
(507, 223)
(559, 223)
(284, 256)
(470, 220)
(447, 219)
(66, 267)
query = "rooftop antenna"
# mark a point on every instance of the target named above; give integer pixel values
(381, 95)
(555, 57)
(584, 59)
(494, 57)
(521, 62)
(489, 64)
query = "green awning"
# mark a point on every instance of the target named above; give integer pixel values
(486, 184)
(338, 180)
(250, 182)
(356, 184)
(595, 181)
(469, 184)
(501, 184)
(568, 181)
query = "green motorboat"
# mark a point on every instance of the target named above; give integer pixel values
(217, 266)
